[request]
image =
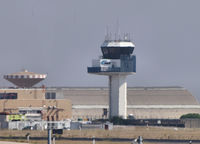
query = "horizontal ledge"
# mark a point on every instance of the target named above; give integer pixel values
(138, 106)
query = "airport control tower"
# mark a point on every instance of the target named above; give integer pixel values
(117, 62)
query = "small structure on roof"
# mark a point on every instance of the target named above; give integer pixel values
(25, 79)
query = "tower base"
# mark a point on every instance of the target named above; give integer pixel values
(117, 96)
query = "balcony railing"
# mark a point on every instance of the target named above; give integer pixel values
(103, 69)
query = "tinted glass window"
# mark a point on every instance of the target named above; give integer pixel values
(50, 95)
(53, 95)
(47, 96)
(8, 95)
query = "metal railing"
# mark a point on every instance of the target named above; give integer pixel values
(103, 69)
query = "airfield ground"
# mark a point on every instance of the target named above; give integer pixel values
(130, 132)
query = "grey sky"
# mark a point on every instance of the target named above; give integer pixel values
(61, 37)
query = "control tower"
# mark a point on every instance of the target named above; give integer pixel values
(117, 63)
(25, 79)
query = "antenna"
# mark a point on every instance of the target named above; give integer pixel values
(110, 36)
(117, 34)
(126, 37)
(107, 34)
(129, 37)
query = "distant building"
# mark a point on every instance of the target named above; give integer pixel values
(143, 102)
(33, 105)
(27, 103)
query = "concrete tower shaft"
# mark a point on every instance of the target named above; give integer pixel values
(117, 96)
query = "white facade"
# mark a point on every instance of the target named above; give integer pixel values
(118, 44)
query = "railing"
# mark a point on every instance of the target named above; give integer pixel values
(103, 69)
(127, 64)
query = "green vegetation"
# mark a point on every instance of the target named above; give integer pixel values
(117, 120)
(191, 115)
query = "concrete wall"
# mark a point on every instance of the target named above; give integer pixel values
(138, 113)
(192, 123)
(158, 113)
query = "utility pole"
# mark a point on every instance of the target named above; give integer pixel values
(93, 140)
(140, 140)
(49, 132)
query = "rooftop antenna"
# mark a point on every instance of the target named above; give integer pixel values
(110, 36)
(118, 31)
(129, 37)
(107, 34)
(115, 36)
(126, 37)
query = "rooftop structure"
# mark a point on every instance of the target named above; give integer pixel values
(25, 79)
(114, 49)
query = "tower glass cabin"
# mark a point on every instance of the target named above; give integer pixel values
(117, 62)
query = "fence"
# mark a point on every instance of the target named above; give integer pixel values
(38, 125)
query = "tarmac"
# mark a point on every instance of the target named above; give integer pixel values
(6, 142)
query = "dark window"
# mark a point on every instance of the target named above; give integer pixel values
(8, 95)
(1, 96)
(50, 95)
(53, 95)
(47, 95)
(38, 111)
(22, 111)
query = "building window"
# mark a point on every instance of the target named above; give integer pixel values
(47, 95)
(50, 95)
(8, 95)
(53, 95)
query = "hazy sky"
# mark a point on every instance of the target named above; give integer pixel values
(61, 37)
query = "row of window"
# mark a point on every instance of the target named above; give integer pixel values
(50, 95)
(30, 111)
(24, 76)
(8, 95)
